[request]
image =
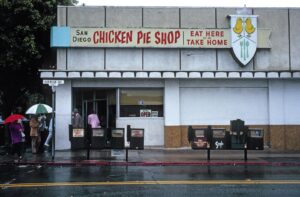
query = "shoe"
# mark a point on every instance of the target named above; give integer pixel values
(47, 145)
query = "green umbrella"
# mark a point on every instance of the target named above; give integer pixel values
(39, 109)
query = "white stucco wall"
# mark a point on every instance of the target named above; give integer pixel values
(284, 96)
(219, 102)
(172, 102)
(63, 115)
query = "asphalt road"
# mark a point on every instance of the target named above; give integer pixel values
(223, 180)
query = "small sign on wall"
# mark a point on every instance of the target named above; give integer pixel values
(145, 112)
(154, 113)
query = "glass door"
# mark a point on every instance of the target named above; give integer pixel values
(100, 101)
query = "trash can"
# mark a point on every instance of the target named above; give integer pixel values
(117, 138)
(77, 137)
(255, 139)
(200, 138)
(136, 138)
(98, 138)
(220, 139)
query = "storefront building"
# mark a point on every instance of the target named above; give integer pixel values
(163, 69)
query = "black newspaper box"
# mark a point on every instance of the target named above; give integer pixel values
(220, 139)
(200, 138)
(137, 138)
(255, 139)
(117, 138)
(98, 138)
(77, 137)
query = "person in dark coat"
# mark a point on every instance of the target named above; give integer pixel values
(77, 121)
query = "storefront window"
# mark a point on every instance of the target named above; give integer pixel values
(141, 102)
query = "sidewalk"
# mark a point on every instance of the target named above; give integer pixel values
(158, 156)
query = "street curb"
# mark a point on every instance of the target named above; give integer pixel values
(104, 163)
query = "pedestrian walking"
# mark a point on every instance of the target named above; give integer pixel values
(42, 131)
(23, 140)
(16, 129)
(76, 119)
(49, 137)
(34, 134)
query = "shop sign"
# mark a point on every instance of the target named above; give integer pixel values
(243, 37)
(147, 38)
(163, 38)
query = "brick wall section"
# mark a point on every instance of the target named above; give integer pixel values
(278, 137)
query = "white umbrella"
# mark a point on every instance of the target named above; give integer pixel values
(39, 109)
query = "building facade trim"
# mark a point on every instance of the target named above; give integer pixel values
(45, 74)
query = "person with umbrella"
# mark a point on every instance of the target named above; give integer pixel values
(34, 134)
(37, 109)
(16, 130)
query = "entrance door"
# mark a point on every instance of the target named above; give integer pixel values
(101, 101)
(99, 107)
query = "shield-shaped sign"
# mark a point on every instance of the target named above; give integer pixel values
(243, 37)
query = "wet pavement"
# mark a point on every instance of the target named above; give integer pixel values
(230, 180)
(152, 172)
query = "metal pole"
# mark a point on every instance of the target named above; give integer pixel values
(245, 153)
(53, 123)
(208, 153)
(88, 141)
